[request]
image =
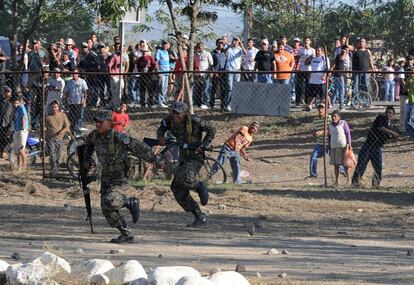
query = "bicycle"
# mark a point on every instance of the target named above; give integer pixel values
(170, 155)
(75, 139)
(360, 101)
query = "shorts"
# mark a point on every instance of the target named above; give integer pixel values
(316, 91)
(20, 140)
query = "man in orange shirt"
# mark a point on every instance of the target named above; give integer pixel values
(235, 145)
(284, 62)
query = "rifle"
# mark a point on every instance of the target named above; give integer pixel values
(84, 181)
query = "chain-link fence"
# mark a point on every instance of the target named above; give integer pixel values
(372, 110)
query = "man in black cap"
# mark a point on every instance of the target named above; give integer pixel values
(188, 129)
(112, 150)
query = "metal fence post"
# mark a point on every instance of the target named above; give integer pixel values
(43, 125)
(325, 124)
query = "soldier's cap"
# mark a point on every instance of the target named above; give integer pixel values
(103, 115)
(7, 89)
(179, 107)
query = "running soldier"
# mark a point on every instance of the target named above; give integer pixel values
(188, 129)
(112, 150)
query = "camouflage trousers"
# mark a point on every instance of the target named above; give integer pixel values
(185, 179)
(113, 198)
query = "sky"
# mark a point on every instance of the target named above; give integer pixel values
(228, 23)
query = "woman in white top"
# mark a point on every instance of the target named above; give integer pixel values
(339, 141)
(389, 83)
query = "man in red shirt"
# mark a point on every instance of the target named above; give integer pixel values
(146, 83)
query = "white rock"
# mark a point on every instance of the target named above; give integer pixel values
(40, 270)
(54, 263)
(228, 278)
(170, 275)
(99, 279)
(3, 266)
(194, 281)
(88, 268)
(273, 251)
(132, 271)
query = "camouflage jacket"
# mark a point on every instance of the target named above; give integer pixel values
(112, 150)
(188, 131)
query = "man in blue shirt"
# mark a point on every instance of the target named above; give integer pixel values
(163, 59)
(21, 131)
(219, 64)
(233, 63)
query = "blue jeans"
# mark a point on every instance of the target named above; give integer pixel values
(162, 92)
(231, 77)
(133, 88)
(361, 81)
(339, 91)
(201, 90)
(226, 153)
(409, 108)
(389, 86)
(292, 85)
(366, 154)
(283, 81)
(313, 165)
(264, 78)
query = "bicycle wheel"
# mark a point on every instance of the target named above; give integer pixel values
(73, 143)
(206, 172)
(373, 89)
(361, 101)
(72, 164)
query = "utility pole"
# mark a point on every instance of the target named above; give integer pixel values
(248, 20)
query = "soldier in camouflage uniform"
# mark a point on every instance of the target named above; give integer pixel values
(188, 129)
(112, 149)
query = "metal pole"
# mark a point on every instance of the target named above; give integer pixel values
(121, 66)
(325, 124)
(42, 131)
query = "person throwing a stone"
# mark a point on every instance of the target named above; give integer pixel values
(188, 129)
(112, 148)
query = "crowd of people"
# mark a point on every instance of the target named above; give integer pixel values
(153, 77)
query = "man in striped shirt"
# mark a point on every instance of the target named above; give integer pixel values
(318, 132)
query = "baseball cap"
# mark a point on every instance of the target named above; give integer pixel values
(101, 45)
(185, 36)
(7, 88)
(321, 105)
(409, 57)
(84, 45)
(296, 39)
(103, 115)
(179, 107)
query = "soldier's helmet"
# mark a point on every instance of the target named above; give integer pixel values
(103, 115)
(179, 107)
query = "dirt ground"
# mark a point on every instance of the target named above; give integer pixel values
(332, 235)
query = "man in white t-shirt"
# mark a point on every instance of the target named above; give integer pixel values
(203, 61)
(301, 89)
(248, 64)
(317, 79)
(55, 86)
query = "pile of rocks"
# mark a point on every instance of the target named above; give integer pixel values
(50, 269)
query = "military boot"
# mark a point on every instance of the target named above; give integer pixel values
(126, 235)
(200, 219)
(132, 204)
(202, 191)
